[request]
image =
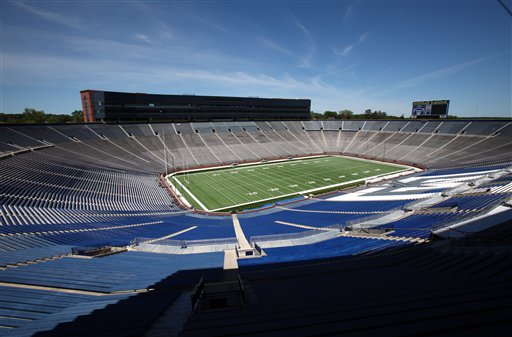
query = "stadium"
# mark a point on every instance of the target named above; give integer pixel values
(260, 228)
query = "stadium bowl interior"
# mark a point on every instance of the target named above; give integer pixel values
(94, 243)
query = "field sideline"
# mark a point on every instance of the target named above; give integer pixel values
(234, 187)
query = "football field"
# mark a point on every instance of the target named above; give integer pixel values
(242, 186)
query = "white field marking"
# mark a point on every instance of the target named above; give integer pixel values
(379, 162)
(313, 190)
(252, 193)
(250, 170)
(241, 166)
(284, 161)
(191, 195)
(311, 182)
(327, 179)
(222, 188)
(377, 169)
(265, 168)
(354, 174)
(280, 166)
(273, 189)
(366, 172)
(287, 161)
(341, 176)
(259, 164)
(293, 185)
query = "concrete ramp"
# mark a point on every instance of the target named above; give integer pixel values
(244, 249)
(240, 236)
(230, 259)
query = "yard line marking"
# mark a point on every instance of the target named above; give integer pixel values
(238, 189)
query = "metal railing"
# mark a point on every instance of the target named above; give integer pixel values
(185, 243)
(294, 236)
(353, 222)
(478, 213)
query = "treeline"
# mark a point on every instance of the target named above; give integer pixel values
(347, 114)
(368, 114)
(33, 116)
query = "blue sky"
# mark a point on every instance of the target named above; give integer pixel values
(352, 55)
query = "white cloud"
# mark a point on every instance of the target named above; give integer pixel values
(441, 73)
(212, 24)
(143, 38)
(362, 38)
(348, 12)
(109, 74)
(51, 16)
(305, 61)
(348, 49)
(162, 27)
(272, 45)
(345, 50)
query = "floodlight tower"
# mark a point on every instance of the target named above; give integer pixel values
(165, 151)
(166, 154)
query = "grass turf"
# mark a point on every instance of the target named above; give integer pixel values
(237, 187)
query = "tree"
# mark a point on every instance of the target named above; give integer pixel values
(330, 114)
(379, 115)
(345, 114)
(315, 115)
(33, 116)
(30, 115)
(77, 116)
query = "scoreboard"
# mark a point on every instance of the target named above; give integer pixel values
(430, 109)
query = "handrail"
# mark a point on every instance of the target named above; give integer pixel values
(481, 212)
(299, 235)
(184, 243)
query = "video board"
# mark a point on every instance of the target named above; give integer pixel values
(430, 109)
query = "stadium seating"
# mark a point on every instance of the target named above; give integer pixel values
(340, 246)
(72, 185)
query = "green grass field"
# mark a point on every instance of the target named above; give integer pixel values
(240, 187)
